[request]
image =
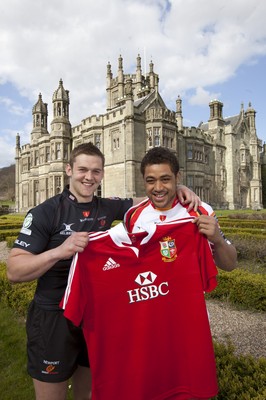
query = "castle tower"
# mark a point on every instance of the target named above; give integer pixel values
(254, 149)
(216, 114)
(250, 115)
(39, 119)
(125, 86)
(60, 125)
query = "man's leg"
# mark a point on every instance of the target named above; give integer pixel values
(50, 391)
(81, 381)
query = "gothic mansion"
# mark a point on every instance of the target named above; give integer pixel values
(219, 160)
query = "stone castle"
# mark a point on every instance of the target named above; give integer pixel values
(219, 159)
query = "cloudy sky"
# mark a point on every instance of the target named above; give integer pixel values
(201, 49)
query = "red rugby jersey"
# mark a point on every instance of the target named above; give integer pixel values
(140, 300)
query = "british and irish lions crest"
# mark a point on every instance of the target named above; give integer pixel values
(168, 249)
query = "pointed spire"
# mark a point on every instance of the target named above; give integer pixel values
(109, 69)
(40, 106)
(151, 66)
(138, 62)
(120, 63)
(17, 141)
(61, 93)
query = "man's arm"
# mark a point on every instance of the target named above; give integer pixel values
(23, 266)
(185, 196)
(225, 255)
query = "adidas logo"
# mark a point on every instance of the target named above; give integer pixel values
(110, 263)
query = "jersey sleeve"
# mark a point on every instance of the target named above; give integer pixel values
(36, 230)
(72, 302)
(208, 269)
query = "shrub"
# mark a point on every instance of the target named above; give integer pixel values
(16, 296)
(239, 377)
(246, 215)
(8, 232)
(252, 248)
(10, 241)
(241, 288)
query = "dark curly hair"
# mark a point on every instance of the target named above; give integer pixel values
(160, 155)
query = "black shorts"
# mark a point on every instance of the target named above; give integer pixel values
(55, 346)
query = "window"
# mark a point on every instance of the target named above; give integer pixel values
(36, 159)
(99, 191)
(156, 141)
(58, 151)
(149, 135)
(156, 133)
(57, 184)
(114, 97)
(115, 139)
(65, 152)
(47, 154)
(189, 151)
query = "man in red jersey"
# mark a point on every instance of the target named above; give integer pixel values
(160, 171)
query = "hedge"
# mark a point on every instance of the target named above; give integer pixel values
(8, 232)
(241, 288)
(239, 377)
(16, 296)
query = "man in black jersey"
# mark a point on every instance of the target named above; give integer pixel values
(52, 233)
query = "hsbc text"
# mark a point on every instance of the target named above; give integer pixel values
(148, 292)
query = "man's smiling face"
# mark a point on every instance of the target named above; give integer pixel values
(160, 184)
(85, 176)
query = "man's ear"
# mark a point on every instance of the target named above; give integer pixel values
(68, 169)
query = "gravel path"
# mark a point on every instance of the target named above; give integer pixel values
(245, 329)
(4, 251)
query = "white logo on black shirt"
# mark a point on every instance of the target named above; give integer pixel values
(67, 230)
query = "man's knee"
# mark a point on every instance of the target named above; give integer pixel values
(81, 381)
(50, 391)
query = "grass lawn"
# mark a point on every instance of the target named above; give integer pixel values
(15, 383)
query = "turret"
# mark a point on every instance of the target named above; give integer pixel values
(216, 114)
(61, 102)
(39, 118)
(250, 115)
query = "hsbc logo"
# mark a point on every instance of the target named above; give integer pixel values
(145, 278)
(147, 290)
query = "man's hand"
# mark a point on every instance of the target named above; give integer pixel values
(209, 227)
(186, 196)
(224, 253)
(75, 243)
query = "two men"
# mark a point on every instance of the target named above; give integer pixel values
(139, 294)
(54, 231)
